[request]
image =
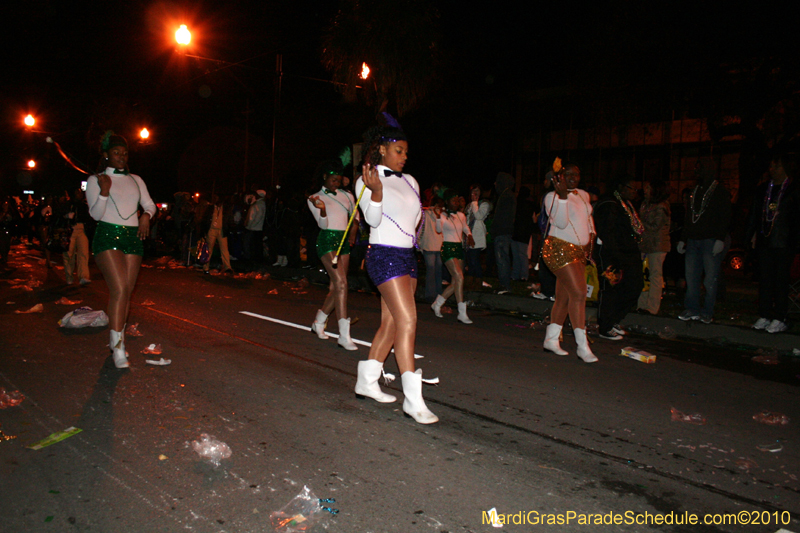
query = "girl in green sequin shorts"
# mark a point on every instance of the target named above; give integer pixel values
(114, 196)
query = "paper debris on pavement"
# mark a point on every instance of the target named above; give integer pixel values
(639, 355)
(55, 437)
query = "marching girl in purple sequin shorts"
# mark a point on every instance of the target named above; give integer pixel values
(391, 206)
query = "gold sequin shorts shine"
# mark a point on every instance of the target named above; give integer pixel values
(558, 253)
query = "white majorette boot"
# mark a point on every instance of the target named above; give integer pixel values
(413, 405)
(437, 306)
(551, 344)
(344, 335)
(369, 372)
(318, 326)
(462, 313)
(584, 351)
(117, 345)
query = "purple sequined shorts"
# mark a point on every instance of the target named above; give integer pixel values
(389, 262)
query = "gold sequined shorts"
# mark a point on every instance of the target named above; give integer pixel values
(558, 253)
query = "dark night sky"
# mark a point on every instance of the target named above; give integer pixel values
(85, 67)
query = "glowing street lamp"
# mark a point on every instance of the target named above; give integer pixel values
(183, 36)
(31, 164)
(364, 71)
(144, 134)
(29, 121)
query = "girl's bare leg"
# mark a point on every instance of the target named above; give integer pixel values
(575, 284)
(337, 291)
(114, 267)
(456, 268)
(398, 323)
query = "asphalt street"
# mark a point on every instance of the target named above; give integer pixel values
(520, 430)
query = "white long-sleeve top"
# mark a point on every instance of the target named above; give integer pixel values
(128, 192)
(571, 219)
(479, 211)
(400, 202)
(431, 239)
(452, 226)
(338, 208)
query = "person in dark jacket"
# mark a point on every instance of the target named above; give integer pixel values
(773, 228)
(619, 263)
(521, 237)
(503, 228)
(705, 231)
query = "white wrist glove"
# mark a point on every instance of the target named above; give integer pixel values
(718, 246)
(681, 248)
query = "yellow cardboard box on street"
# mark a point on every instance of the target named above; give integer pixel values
(639, 355)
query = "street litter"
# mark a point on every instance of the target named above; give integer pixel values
(66, 301)
(160, 362)
(273, 291)
(301, 513)
(639, 355)
(154, 349)
(766, 359)
(774, 447)
(38, 308)
(133, 331)
(212, 449)
(4, 437)
(666, 333)
(162, 457)
(10, 399)
(746, 464)
(771, 419)
(697, 419)
(148, 302)
(84, 317)
(54, 438)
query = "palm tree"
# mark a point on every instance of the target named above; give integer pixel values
(398, 40)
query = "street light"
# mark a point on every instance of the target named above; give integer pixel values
(183, 36)
(364, 71)
(31, 164)
(29, 121)
(144, 134)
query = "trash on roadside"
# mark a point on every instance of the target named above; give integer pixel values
(162, 457)
(774, 447)
(771, 419)
(354, 320)
(84, 317)
(66, 301)
(148, 302)
(666, 333)
(746, 464)
(795, 351)
(273, 291)
(303, 283)
(212, 449)
(154, 349)
(38, 308)
(133, 331)
(639, 355)
(10, 399)
(697, 419)
(160, 362)
(301, 513)
(766, 359)
(55, 437)
(23, 287)
(4, 437)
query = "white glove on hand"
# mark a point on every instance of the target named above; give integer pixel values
(718, 246)
(681, 248)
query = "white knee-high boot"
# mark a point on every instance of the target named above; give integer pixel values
(369, 372)
(437, 306)
(318, 326)
(344, 335)
(584, 350)
(462, 313)
(413, 405)
(117, 345)
(551, 336)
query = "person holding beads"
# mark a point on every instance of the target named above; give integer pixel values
(332, 207)
(567, 246)
(452, 226)
(114, 196)
(392, 207)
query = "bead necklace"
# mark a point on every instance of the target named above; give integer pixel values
(636, 224)
(137, 201)
(770, 211)
(704, 203)
(414, 236)
(349, 212)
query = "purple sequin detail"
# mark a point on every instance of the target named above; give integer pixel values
(389, 262)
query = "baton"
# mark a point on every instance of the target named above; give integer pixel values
(347, 229)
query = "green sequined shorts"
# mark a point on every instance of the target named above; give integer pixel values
(328, 241)
(113, 237)
(452, 250)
